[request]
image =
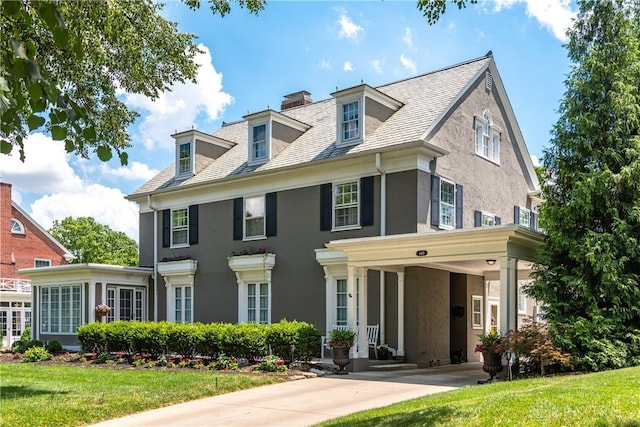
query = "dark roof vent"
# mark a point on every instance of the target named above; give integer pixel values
(296, 99)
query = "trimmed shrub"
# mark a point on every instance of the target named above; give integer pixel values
(22, 344)
(36, 354)
(92, 337)
(150, 337)
(304, 336)
(246, 340)
(118, 336)
(183, 337)
(210, 339)
(53, 347)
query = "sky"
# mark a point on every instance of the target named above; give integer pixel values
(250, 62)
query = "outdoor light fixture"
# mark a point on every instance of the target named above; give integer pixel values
(491, 261)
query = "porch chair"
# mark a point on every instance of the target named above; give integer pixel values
(372, 337)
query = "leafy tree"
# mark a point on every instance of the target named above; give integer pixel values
(92, 242)
(588, 273)
(434, 9)
(63, 62)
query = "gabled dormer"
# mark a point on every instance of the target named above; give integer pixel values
(270, 132)
(360, 110)
(195, 150)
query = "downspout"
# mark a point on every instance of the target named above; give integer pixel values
(383, 231)
(155, 258)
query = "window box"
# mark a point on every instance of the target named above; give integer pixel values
(174, 268)
(264, 261)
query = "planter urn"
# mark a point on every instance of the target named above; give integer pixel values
(341, 359)
(492, 363)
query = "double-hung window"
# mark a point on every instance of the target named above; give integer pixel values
(341, 302)
(258, 307)
(254, 217)
(259, 142)
(476, 310)
(179, 227)
(183, 304)
(525, 217)
(350, 121)
(447, 204)
(184, 159)
(487, 142)
(346, 206)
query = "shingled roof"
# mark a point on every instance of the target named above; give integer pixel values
(425, 99)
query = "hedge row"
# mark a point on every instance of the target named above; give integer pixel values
(251, 341)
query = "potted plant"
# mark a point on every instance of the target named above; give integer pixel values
(340, 342)
(102, 310)
(491, 346)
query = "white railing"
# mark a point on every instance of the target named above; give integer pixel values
(15, 285)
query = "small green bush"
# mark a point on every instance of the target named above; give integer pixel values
(182, 338)
(272, 363)
(302, 335)
(150, 338)
(92, 337)
(36, 354)
(117, 337)
(210, 338)
(53, 347)
(22, 344)
(246, 340)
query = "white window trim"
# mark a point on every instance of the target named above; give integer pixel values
(335, 304)
(522, 298)
(488, 215)
(114, 313)
(340, 141)
(492, 301)
(48, 330)
(524, 210)
(262, 236)
(180, 245)
(21, 229)
(475, 298)
(183, 310)
(35, 260)
(453, 217)
(188, 173)
(252, 160)
(356, 226)
(256, 269)
(493, 138)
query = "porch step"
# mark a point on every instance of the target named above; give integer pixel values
(393, 367)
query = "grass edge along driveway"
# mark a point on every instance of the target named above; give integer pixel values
(610, 398)
(33, 394)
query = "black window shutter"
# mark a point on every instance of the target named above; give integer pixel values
(477, 219)
(193, 224)
(271, 208)
(326, 206)
(516, 214)
(459, 204)
(498, 221)
(238, 208)
(366, 198)
(166, 228)
(435, 200)
(532, 221)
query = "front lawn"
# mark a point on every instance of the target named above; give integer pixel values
(610, 398)
(34, 394)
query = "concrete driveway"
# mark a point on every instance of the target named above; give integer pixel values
(308, 401)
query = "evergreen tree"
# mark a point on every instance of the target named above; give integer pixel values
(588, 274)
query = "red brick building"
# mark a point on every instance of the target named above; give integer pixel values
(23, 244)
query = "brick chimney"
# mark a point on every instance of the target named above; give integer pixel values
(296, 99)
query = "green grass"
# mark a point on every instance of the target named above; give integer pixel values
(610, 398)
(32, 394)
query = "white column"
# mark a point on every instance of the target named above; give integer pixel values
(363, 342)
(400, 350)
(383, 335)
(92, 301)
(351, 303)
(329, 319)
(508, 294)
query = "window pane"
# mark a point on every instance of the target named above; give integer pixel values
(55, 310)
(180, 226)
(259, 141)
(111, 302)
(185, 158)
(447, 203)
(350, 122)
(126, 304)
(44, 309)
(346, 204)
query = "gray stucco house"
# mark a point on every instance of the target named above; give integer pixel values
(410, 205)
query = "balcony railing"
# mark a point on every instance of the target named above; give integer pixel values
(15, 285)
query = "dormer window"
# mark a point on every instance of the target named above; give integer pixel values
(487, 138)
(185, 159)
(350, 121)
(259, 142)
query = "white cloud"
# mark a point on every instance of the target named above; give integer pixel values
(377, 65)
(136, 171)
(408, 37)
(554, 15)
(535, 160)
(408, 64)
(348, 29)
(106, 205)
(178, 109)
(451, 26)
(45, 169)
(326, 64)
(347, 66)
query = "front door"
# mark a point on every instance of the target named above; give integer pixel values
(494, 315)
(14, 318)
